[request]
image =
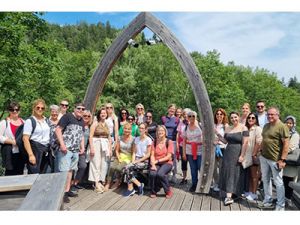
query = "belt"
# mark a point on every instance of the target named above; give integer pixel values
(99, 136)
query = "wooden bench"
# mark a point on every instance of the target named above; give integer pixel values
(17, 183)
(296, 194)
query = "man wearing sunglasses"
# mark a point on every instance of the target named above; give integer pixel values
(69, 132)
(261, 113)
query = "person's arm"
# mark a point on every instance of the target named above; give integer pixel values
(3, 139)
(116, 127)
(117, 150)
(244, 145)
(91, 143)
(58, 132)
(82, 147)
(153, 161)
(294, 142)
(133, 152)
(285, 149)
(169, 153)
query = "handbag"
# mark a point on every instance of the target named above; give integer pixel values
(293, 158)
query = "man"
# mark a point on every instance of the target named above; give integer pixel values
(275, 146)
(64, 105)
(261, 113)
(69, 132)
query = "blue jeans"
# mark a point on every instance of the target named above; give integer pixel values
(159, 178)
(195, 166)
(269, 168)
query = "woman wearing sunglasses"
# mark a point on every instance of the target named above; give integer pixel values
(11, 157)
(140, 114)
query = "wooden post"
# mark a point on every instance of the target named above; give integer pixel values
(146, 19)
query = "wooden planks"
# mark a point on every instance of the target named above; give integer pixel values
(17, 183)
(46, 192)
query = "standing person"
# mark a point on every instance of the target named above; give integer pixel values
(221, 123)
(82, 164)
(100, 150)
(231, 177)
(113, 125)
(53, 121)
(12, 160)
(36, 138)
(140, 157)
(140, 114)
(161, 163)
(275, 146)
(70, 136)
(261, 113)
(245, 112)
(171, 122)
(251, 156)
(178, 113)
(64, 106)
(290, 173)
(192, 147)
(123, 115)
(152, 125)
(179, 140)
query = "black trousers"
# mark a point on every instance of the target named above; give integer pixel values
(42, 154)
(159, 178)
(288, 189)
(13, 163)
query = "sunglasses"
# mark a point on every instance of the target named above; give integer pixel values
(80, 108)
(130, 119)
(149, 116)
(190, 116)
(124, 113)
(260, 106)
(64, 105)
(14, 110)
(251, 117)
(86, 116)
(109, 107)
(40, 108)
(139, 108)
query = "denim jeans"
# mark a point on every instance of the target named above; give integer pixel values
(159, 178)
(195, 167)
(269, 168)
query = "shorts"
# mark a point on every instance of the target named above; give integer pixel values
(68, 161)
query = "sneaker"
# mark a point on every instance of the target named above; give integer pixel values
(254, 196)
(71, 194)
(250, 198)
(169, 194)
(66, 199)
(173, 179)
(78, 186)
(183, 181)
(141, 189)
(192, 188)
(73, 189)
(266, 205)
(128, 193)
(228, 201)
(279, 208)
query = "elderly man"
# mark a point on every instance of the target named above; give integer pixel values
(275, 146)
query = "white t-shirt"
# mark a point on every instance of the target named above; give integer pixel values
(193, 136)
(262, 119)
(141, 146)
(41, 133)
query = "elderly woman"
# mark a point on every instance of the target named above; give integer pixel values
(290, 173)
(53, 121)
(12, 159)
(192, 147)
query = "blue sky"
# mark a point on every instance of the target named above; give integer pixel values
(267, 40)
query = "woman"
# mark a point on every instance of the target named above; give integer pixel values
(192, 147)
(134, 128)
(123, 115)
(221, 123)
(12, 160)
(100, 150)
(37, 143)
(178, 113)
(82, 164)
(140, 157)
(112, 122)
(171, 122)
(251, 157)
(53, 121)
(124, 148)
(245, 112)
(140, 114)
(179, 140)
(152, 125)
(161, 163)
(236, 137)
(290, 173)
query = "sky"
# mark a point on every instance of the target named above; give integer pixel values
(266, 40)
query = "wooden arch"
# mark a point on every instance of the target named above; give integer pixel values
(146, 19)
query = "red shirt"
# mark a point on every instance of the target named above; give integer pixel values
(161, 153)
(14, 128)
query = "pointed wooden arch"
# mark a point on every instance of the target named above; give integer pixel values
(146, 19)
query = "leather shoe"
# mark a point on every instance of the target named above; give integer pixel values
(72, 194)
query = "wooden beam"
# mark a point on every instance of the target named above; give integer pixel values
(17, 183)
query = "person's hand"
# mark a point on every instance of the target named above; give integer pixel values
(241, 159)
(81, 152)
(184, 156)
(63, 149)
(281, 164)
(13, 142)
(32, 159)
(92, 152)
(153, 167)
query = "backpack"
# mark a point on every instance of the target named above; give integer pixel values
(19, 136)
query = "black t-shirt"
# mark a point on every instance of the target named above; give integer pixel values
(73, 130)
(152, 130)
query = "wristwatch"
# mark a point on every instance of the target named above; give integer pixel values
(283, 160)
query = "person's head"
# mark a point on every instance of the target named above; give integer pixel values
(178, 112)
(234, 118)
(54, 110)
(260, 106)
(171, 109)
(220, 115)
(109, 109)
(64, 105)
(123, 114)
(131, 119)
(14, 109)
(273, 114)
(127, 129)
(139, 108)
(161, 132)
(252, 120)
(143, 128)
(192, 116)
(102, 114)
(38, 107)
(79, 109)
(149, 116)
(290, 121)
(87, 117)
(185, 113)
(246, 109)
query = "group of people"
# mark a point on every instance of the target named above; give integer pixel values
(112, 149)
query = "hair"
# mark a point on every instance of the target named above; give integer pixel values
(165, 129)
(259, 101)
(91, 118)
(38, 101)
(133, 117)
(54, 107)
(225, 118)
(79, 104)
(99, 112)
(234, 112)
(256, 120)
(192, 113)
(247, 104)
(172, 105)
(150, 111)
(276, 108)
(186, 110)
(126, 124)
(13, 105)
(120, 113)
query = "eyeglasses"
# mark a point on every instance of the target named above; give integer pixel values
(40, 108)
(86, 116)
(124, 113)
(109, 107)
(260, 106)
(130, 119)
(272, 114)
(251, 118)
(14, 110)
(80, 108)
(139, 108)
(149, 116)
(64, 105)
(190, 116)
